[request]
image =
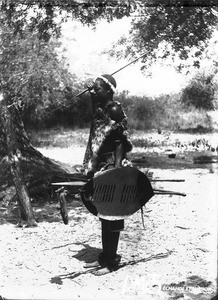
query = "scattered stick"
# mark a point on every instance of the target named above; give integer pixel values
(181, 227)
(169, 180)
(151, 257)
(203, 250)
(162, 192)
(167, 193)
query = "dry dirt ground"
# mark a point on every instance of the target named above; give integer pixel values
(173, 257)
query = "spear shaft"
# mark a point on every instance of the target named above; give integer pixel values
(86, 90)
(132, 62)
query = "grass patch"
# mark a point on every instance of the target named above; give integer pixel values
(67, 137)
(59, 137)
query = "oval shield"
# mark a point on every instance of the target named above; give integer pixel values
(116, 193)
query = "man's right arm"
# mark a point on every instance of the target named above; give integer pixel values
(89, 86)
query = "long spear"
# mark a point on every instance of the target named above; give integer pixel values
(86, 90)
(132, 62)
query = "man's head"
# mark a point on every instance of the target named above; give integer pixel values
(109, 81)
(104, 88)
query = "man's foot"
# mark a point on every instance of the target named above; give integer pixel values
(111, 266)
(108, 265)
(101, 262)
(113, 263)
(93, 264)
(102, 271)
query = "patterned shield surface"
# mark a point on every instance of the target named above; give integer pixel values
(117, 193)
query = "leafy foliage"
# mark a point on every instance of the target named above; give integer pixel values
(200, 92)
(33, 75)
(171, 29)
(31, 72)
(45, 15)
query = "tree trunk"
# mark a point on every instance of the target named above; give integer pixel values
(26, 212)
(14, 155)
(24, 172)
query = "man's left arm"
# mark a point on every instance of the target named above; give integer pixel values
(116, 113)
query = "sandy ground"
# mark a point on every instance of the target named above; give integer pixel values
(173, 257)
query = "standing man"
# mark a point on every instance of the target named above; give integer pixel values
(107, 147)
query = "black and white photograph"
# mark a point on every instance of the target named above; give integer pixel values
(108, 149)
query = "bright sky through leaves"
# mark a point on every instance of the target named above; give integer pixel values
(84, 51)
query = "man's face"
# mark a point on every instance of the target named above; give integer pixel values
(101, 92)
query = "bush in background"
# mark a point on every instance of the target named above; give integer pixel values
(139, 110)
(200, 92)
(165, 112)
(146, 113)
